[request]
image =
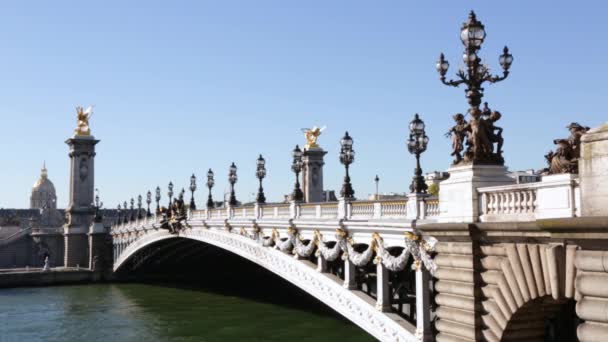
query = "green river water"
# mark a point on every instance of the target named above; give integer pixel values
(139, 312)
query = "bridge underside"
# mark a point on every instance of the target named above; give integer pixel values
(187, 262)
(237, 263)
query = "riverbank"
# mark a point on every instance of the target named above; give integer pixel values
(26, 277)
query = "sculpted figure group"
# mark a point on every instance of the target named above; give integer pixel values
(479, 136)
(174, 218)
(565, 157)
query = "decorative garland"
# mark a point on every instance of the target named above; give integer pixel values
(417, 246)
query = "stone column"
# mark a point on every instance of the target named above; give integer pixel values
(593, 171)
(458, 198)
(423, 306)
(97, 246)
(415, 206)
(312, 175)
(80, 211)
(349, 275)
(383, 300)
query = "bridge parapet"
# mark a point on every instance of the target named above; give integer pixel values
(555, 196)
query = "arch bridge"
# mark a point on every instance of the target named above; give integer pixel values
(521, 271)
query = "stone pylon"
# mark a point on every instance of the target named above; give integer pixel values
(80, 211)
(312, 174)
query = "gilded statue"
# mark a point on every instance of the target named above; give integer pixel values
(83, 116)
(311, 135)
(567, 153)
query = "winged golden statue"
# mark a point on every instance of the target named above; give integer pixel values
(311, 135)
(83, 116)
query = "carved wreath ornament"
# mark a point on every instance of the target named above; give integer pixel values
(417, 245)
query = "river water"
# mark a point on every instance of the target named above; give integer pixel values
(142, 312)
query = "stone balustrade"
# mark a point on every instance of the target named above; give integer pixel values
(555, 196)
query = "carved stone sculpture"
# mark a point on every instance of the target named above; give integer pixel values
(565, 157)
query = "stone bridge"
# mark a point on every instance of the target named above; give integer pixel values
(517, 273)
(488, 260)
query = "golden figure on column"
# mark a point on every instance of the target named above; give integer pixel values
(83, 116)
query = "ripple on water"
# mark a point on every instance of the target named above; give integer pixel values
(137, 312)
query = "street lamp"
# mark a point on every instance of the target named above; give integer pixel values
(170, 194)
(296, 167)
(261, 173)
(377, 180)
(98, 206)
(472, 35)
(416, 144)
(347, 157)
(132, 209)
(210, 183)
(119, 216)
(148, 201)
(192, 189)
(232, 178)
(157, 198)
(139, 205)
(126, 215)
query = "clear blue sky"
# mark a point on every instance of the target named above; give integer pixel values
(181, 86)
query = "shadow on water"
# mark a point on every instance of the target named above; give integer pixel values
(221, 281)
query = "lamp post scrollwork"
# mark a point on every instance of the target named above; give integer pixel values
(416, 145)
(260, 174)
(192, 190)
(296, 167)
(347, 157)
(170, 194)
(157, 198)
(148, 201)
(232, 178)
(139, 205)
(210, 183)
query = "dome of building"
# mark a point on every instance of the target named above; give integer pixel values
(43, 192)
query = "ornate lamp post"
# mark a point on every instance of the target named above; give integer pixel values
(139, 205)
(261, 173)
(192, 190)
(132, 209)
(232, 178)
(148, 201)
(119, 211)
(417, 144)
(472, 35)
(157, 198)
(170, 194)
(347, 157)
(377, 180)
(126, 215)
(98, 206)
(210, 183)
(296, 167)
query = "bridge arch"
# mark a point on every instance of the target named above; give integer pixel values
(325, 287)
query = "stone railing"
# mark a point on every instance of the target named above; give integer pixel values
(555, 196)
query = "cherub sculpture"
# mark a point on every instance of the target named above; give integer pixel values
(458, 132)
(496, 132)
(83, 116)
(311, 135)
